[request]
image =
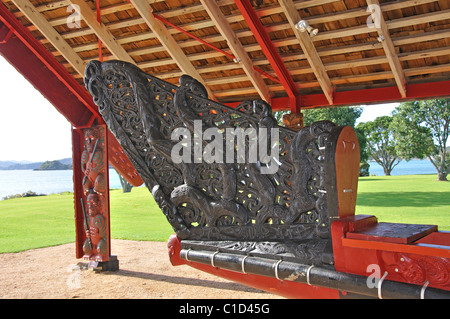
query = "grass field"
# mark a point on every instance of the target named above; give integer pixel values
(35, 222)
(410, 199)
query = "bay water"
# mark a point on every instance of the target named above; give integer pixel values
(43, 182)
(412, 167)
(50, 182)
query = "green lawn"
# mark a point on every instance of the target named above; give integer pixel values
(136, 216)
(34, 222)
(409, 199)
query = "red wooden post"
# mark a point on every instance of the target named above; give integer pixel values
(77, 147)
(91, 192)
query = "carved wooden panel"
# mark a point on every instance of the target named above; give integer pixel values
(282, 196)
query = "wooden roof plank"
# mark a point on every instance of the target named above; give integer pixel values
(351, 31)
(346, 49)
(308, 49)
(89, 16)
(169, 43)
(51, 34)
(388, 46)
(269, 50)
(237, 48)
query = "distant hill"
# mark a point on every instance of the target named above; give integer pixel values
(53, 165)
(5, 164)
(66, 161)
(22, 165)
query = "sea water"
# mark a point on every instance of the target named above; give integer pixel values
(43, 182)
(412, 167)
(50, 182)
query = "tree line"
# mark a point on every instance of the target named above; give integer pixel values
(415, 129)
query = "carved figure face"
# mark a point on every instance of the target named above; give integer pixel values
(93, 204)
(90, 137)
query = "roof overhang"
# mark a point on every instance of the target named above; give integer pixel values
(364, 53)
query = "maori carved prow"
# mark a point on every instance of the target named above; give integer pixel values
(284, 196)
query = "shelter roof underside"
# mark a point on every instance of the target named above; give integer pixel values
(359, 45)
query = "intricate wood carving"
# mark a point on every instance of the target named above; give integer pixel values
(417, 269)
(218, 200)
(293, 121)
(95, 202)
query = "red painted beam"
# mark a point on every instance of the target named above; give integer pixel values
(381, 95)
(367, 96)
(45, 73)
(21, 49)
(270, 52)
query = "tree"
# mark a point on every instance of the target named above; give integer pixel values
(278, 115)
(53, 165)
(126, 187)
(339, 116)
(381, 142)
(422, 129)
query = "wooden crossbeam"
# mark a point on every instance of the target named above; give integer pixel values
(308, 49)
(51, 34)
(169, 42)
(396, 23)
(351, 13)
(102, 32)
(406, 56)
(389, 48)
(216, 15)
(271, 53)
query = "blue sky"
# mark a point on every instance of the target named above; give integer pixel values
(32, 129)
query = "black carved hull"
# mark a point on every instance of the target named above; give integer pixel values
(218, 201)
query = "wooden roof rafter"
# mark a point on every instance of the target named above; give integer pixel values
(308, 49)
(237, 48)
(322, 35)
(347, 50)
(169, 43)
(385, 38)
(353, 13)
(51, 34)
(243, 33)
(102, 32)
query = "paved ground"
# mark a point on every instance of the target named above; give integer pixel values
(145, 272)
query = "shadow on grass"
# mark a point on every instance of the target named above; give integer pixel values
(400, 199)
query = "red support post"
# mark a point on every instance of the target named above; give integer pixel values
(23, 51)
(91, 193)
(77, 147)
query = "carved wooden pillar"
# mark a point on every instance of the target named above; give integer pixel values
(91, 192)
(293, 121)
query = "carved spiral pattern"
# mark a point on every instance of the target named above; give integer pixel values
(417, 269)
(212, 200)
